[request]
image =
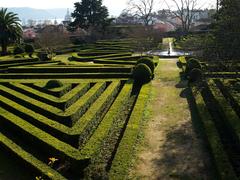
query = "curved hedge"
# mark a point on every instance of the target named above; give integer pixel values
(148, 61)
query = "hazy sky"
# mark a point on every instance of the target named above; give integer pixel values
(115, 6)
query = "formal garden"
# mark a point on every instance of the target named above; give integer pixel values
(76, 109)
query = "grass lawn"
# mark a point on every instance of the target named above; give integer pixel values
(171, 149)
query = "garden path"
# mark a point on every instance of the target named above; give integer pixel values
(171, 148)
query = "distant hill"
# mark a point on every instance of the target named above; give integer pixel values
(25, 13)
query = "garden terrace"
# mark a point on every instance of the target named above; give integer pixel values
(56, 132)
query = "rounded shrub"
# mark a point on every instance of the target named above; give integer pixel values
(192, 63)
(18, 50)
(29, 49)
(148, 61)
(142, 74)
(195, 75)
(43, 56)
(53, 84)
(179, 65)
(17, 56)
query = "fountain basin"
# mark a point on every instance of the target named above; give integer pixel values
(166, 54)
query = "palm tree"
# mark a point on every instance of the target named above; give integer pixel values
(10, 28)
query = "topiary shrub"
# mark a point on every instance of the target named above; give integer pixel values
(17, 56)
(195, 75)
(142, 74)
(179, 65)
(18, 50)
(43, 56)
(29, 49)
(192, 64)
(148, 61)
(53, 84)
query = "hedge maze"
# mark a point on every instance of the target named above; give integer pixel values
(216, 100)
(90, 120)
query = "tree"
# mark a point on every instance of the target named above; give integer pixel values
(227, 29)
(29, 49)
(51, 38)
(126, 18)
(143, 9)
(185, 12)
(10, 29)
(90, 14)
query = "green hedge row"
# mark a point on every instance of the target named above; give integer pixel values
(221, 161)
(122, 160)
(228, 95)
(97, 53)
(126, 58)
(72, 70)
(26, 63)
(54, 128)
(232, 118)
(94, 143)
(106, 61)
(57, 92)
(75, 56)
(23, 155)
(68, 117)
(62, 103)
(70, 75)
(83, 128)
(43, 141)
(90, 120)
(18, 60)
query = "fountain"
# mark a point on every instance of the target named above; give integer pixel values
(167, 53)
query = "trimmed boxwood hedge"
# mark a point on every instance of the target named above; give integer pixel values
(223, 166)
(71, 70)
(94, 143)
(62, 103)
(68, 117)
(76, 57)
(122, 160)
(148, 61)
(66, 75)
(36, 164)
(232, 118)
(142, 74)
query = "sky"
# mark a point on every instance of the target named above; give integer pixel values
(114, 6)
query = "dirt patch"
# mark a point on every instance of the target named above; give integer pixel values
(172, 149)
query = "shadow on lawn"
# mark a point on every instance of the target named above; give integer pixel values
(180, 154)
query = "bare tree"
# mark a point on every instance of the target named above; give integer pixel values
(143, 9)
(185, 12)
(52, 37)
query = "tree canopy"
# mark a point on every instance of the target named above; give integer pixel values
(227, 29)
(10, 28)
(90, 13)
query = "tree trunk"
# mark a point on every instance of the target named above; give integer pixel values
(4, 48)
